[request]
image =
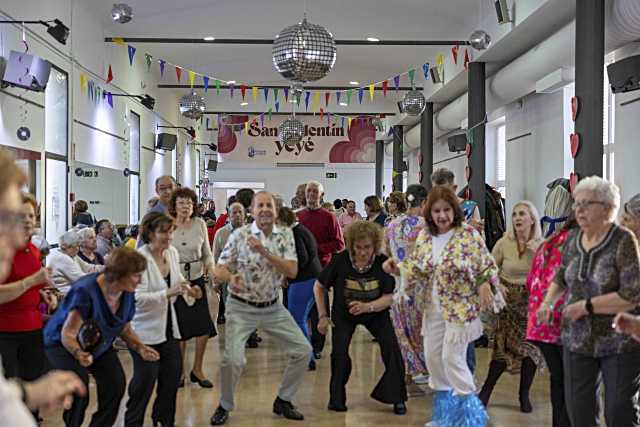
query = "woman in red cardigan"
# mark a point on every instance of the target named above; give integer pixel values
(21, 344)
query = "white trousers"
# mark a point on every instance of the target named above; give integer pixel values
(446, 359)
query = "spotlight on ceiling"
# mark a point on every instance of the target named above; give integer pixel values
(244, 104)
(59, 31)
(354, 83)
(373, 39)
(209, 38)
(148, 102)
(121, 13)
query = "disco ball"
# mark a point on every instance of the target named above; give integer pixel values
(414, 103)
(121, 13)
(304, 52)
(192, 106)
(291, 131)
(480, 40)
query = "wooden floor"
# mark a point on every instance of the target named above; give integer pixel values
(263, 373)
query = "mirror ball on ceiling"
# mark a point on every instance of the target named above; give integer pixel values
(304, 52)
(192, 106)
(291, 131)
(414, 103)
(480, 40)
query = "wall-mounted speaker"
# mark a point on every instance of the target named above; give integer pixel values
(27, 71)
(502, 11)
(624, 75)
(457, 142)
(212, 165)
(166, 141)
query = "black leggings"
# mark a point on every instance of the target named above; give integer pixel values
(22, 354)
(553, 357)
(110, 381)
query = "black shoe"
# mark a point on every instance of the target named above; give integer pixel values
(205, 383)
(286, 409)
(312, 365)
(221, 320)
(181, 383)
(399, 408)
(258, 338)
(219, 417)
(525, 405)
(336, 408)
(251, 344)
(317, 355)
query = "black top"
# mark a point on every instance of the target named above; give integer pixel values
(98, 260)
(307, 250)
(380, 219)
(169, 322)
(210, 214)
(350, 285)
(84, 218)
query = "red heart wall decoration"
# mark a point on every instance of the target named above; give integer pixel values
(575, 105)
(467, 172)
(467, 150)
(573, 181)
(575, 144)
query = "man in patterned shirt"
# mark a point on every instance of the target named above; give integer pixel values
(255, 262)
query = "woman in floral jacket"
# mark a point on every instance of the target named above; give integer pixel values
(452, 276)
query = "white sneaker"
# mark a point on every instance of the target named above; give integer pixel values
(421, 379)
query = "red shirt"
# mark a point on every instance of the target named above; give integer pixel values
(222, 220)
(325, 228)
(22, 314)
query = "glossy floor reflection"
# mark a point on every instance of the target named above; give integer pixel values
(261, 379)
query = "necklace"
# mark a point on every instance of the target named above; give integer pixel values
(364, 269)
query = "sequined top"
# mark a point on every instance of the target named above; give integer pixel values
(465, 264)
(611, 266)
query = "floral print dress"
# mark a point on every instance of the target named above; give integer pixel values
(400, 238)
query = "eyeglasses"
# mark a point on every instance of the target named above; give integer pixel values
(586, 204)
(184, 203)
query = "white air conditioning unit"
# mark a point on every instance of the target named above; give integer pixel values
(556, 80)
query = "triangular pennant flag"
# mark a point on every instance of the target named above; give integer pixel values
(349, 122)
(83, 82)
(360, 94)
(254, 93)
(231, 87)
(262, 120)
(342, 124)
(110, 99)
(266, 94)
(321, 112)
(298, 98)
(425, 70)
(466, 59)
(396, 82)
(147, 59)
(316, 99)
(412, 76)
(306, 100)
(118, 40)
(109, 75)
(327, 96)
(162, 62)
(338, 95)
(372, 89)
(286, 94)
(335, 120)
(349, 93)
(270, 112)
(192, 78)
(277, 107)
(98, 95)
(328, 119)
(132, 52)
(440, 63)
(178, 73)
(205, 83)
(243, 90)
(385, 86)
(275, 94)
(90, 89)
(454, 52)
(246, 127)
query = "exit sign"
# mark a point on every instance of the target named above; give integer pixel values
(332, 175)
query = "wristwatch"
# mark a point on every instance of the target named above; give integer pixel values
(588, 306)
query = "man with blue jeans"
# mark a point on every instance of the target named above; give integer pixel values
(255, 262)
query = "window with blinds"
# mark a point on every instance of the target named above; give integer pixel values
(501, 159)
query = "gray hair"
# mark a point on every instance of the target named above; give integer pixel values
(443, 176)
(316, 184)
(85, 233)
(69, 239)
(632, 207)
(603, 191)
(536, 230)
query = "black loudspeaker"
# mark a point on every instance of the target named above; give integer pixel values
(27, 71)
(624, 75)
(212, 165)
(166, 141)
(457, 142)
(502, 11)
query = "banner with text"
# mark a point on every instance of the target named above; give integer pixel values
(322, 142)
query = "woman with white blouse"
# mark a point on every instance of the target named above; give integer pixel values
(64, 264)
(196, 260)
(156, 324)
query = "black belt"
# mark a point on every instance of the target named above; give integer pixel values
(255, 304)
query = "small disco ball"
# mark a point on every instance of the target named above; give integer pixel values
(304, 52)
(480, 40)
(291, 131)
(121, 13)
(192, 106)
(414, 103)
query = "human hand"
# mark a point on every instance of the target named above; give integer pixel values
(503, 289)
(544, 315)
(208, 269)
(356, 308)
(179, 289)
(42, 276)
(53, 390)
(626, 323)
(195, 292)
(256, 245)
(478, 224)
(148, 354)
(575, 311)
(533, 245)
(486, 296)
(390, 266)
(236, 284)
(49, 299)
(84, 358)
(323, 325)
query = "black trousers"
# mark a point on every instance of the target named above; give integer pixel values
(166, 372)
(22, 354)
(317, 339)
(391, 388)
(581, 376)
(110, 381)
(553, 357)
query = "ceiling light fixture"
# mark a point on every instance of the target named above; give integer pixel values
(231, 82)
(209, 38)
(121, 13)
(373, 39)
(243, 104)
(354, 83)
(343, 104)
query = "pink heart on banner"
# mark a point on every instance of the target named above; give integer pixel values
(467, 172)
(575, 105)
(467, 150)
(573, 181)
(575, 144)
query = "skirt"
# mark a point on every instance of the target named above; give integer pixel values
(195, 320)
(508, 343)
(407, 323)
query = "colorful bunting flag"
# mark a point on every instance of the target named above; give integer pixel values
(90, 89)
(412, 77)
(83, 82)
(266, 94)
(440, 63)
(316, 99)
(109, 75)
(327, 96)
(243, 91)
(178, 73)
(349, 93)
(262, 120)
(286, 94)
(110, 99)
(254, 94)
(396, 82)
(321, 112)
(372, 90)
(349, 122)
(231, 87)
(275, 94)
(277, 107)
(119, 41)
(162, 62)
(270, 112)
(360, 94)
(338, 94)
(454, 52)
(205, 83)
(192, 78)
(132, 52)
(466, 59)
(246, 127)
(425, 70)
(328, 119)
(385, 86)
(306, 100)
(342, 123)
(147, 59)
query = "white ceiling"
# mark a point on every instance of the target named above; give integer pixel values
(346, 19)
